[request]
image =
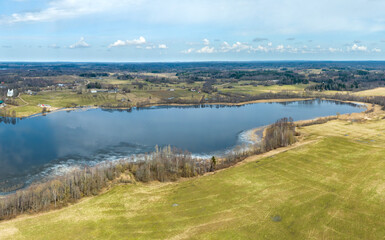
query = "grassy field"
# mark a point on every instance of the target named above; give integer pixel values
(332, 186)
(60, 99)
(254, 90)
(372, 92)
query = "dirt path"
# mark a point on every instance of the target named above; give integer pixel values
(25, 102)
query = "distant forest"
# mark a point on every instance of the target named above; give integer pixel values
(339, 76)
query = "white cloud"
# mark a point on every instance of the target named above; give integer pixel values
(206, 41)
(55, 46)
(162, 46)
(225, 47)
(140, 40)
(80, 44)
(377, 50)
(67, 9)
(291, 49)
(281, 16)
(120, 43)
(260, 48)
(333, 50)
(188, 51)
(356, 47)
(206, 49)
(280, 48)
(236, 47)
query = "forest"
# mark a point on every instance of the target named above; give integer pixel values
(339, 76)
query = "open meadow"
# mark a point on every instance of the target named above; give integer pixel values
(372, 92)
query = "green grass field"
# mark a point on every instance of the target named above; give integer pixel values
(330, 187)
(60, 99)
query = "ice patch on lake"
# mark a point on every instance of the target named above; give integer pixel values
(246, 137)
(123, 151)
(69, 163)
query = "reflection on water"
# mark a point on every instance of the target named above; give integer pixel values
(34, 145)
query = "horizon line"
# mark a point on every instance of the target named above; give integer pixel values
(203, 61)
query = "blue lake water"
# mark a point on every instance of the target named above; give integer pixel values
(40, 144)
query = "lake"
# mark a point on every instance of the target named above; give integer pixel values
(43, 145)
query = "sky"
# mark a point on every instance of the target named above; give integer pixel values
(191, 30)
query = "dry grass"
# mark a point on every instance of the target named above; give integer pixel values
(372, 92)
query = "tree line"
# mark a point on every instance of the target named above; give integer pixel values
(280, 134)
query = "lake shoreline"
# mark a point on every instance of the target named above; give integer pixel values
(246, 135)
(278, 100)
(259, 132)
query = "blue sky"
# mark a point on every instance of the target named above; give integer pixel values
(193, 30)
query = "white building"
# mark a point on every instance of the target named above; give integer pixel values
(10, 93)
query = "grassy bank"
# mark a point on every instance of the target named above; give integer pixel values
(151, 94)
(330, 187)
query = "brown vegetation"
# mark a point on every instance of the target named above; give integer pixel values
(280, 134)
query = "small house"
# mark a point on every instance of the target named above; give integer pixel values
(29, 92)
